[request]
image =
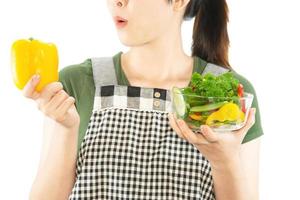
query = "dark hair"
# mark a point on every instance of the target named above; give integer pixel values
(210, 36)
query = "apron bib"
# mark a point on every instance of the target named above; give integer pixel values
(131, 152)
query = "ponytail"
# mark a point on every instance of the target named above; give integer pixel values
(210, 36)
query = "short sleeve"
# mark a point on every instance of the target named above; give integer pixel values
(256, 130)
(65, 80)
(77, 81)
(65, 77)
(73, 78)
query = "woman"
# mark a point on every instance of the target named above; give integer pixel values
(129, 145)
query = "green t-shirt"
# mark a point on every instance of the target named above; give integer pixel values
(78, 82)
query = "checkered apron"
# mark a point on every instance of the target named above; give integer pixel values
(131, 152)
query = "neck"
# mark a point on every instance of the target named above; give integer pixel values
(160, 61)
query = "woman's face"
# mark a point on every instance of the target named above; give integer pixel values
(146, 19)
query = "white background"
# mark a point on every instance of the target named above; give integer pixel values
(264, 48)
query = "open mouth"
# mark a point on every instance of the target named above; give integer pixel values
(120, 22)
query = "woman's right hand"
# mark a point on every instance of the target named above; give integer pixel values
(54, 102)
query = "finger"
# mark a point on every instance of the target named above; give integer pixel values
(50, 90)
(209, 134)
(57, 100)
(62, 110)
(173, 124)
(196, 139)
(29, 88)
(250, 122)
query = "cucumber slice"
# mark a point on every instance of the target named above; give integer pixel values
(208, 107)
(179, 102)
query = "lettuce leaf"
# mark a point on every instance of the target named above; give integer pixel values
(209, 85)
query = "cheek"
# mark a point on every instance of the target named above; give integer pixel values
(143, 29)
(147, 28)
(151, 18)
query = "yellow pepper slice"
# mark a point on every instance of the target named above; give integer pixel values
(229, 111)
(232, 112)
(212, 117)
(29, 57)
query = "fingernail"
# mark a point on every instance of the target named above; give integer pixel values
(180, 122)
(254, 110)
(36, 77)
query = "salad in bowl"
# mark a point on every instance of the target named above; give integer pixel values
(217, 101)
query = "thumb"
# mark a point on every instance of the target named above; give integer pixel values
(29, 89)
(250, 122)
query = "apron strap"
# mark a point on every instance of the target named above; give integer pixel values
(104, 72)
(214, 69)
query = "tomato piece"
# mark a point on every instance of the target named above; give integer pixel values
(240, 90)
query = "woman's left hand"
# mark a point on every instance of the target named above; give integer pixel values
(218, 148)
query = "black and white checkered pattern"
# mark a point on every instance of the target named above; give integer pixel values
(131, 152)
(122, 96)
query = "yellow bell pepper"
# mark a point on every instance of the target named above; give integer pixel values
(229, 111)
(29, 57)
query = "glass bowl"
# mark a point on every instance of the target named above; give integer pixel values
(222, 114)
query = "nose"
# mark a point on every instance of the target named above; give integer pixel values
(120, 3)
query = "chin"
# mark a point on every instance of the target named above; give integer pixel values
(132, 42)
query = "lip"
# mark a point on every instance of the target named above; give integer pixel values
(120, 22)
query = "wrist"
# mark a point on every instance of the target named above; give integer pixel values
(52, 125)
(231, 164)
(69, 131)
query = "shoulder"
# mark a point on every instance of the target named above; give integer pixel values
(248, 86)
(72, 71)
(75, 77)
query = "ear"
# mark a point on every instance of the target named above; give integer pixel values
(179, 5)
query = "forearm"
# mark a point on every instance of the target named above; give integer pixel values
(56, 174)
(231, 182)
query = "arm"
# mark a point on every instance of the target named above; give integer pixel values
(239, 179)
(234, 165)
(56, 173)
